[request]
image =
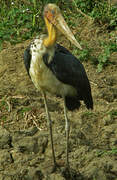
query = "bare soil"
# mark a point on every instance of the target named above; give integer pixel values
(25, 150)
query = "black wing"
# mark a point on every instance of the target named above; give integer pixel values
(27, 59)
(69, 70)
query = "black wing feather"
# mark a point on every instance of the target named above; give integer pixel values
(27, 59)
(69, 70)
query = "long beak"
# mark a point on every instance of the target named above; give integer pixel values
(62, 26)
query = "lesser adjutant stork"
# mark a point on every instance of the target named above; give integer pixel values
(54, 69)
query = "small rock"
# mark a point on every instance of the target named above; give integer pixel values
(110, 81)
(54, 177)
(113, 143)
(93, 172)
(21, 157)
(30, 132)
(33, 174)
(26, 145)
(22, 133)
(42, 143)
(108, 94)
(5, 139)
(5, 158)
(107, 120)
(30, 144)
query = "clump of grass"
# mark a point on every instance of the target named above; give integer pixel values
(4, 110)
(101, 11)
(112, 151)
(19, 21)
(88, 115)
(3, 105)
(85, 54)
(103, 58)
(24, 110)
(113, 114)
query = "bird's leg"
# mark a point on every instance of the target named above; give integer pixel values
(50, 127)
(67, 128)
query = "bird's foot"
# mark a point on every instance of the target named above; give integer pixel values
(67, 166)
(54, 168)
(67, 172)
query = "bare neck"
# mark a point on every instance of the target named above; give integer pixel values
(51, 38)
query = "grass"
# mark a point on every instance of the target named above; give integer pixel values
(4, 108)
(107, 152)
(3, 105)
(88, 115)
(103, 58)
(113, 114)
(20, 21)
(22, 112)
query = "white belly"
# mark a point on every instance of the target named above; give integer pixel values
(45, 80)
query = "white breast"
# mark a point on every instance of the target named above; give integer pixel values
(42, 76)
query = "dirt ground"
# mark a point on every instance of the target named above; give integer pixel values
(25, 150)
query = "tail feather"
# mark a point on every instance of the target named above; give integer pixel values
(72, 102)
(89, 102)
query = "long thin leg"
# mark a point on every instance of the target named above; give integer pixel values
(67, 128)
(50, 127)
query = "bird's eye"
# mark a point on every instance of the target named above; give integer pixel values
(53, 12)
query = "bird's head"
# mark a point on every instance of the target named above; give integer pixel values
(53, 16)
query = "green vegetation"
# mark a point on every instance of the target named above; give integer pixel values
(21, 20)
(18, 22)
(3, 105)
(23, 110)
(113, 114)
(99, 10)
(107, 152)
(103, 58)
(88, 115)
(4, 108)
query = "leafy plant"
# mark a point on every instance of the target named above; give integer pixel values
(99, 10)
(18, 22)
(103, 58)
(107, 152)
(3, 105)
(113, 114)
(23, 110)
(85, 54)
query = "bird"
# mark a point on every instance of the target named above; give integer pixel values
(54, 69)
